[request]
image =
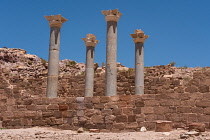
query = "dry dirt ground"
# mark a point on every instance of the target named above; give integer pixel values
(37, 133)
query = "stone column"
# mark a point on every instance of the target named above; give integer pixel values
(90, 42)
(139, 39)
(55, 22)
(112, 17)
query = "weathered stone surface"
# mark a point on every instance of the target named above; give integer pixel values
(163, 126)
(199, 127)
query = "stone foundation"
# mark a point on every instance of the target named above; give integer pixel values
(117, 113)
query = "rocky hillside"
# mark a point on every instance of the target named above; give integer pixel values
(22, 74)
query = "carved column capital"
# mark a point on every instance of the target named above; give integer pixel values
(90, 40)
(55, 20)
(139, 36)
(112, 15)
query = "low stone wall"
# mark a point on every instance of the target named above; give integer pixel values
(158, 80)
(123, 112)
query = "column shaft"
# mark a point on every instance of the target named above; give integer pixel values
(111, 55)
(89, 71)
(53, 65)
(139, 68)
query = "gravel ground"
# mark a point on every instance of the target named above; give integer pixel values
(37, 133)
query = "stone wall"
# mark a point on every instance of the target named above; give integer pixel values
(123, 112)
(23, 74)
(158, 80)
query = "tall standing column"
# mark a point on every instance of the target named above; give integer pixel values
(90, 42)
(112, 17)
(139, 39)
(55, 22)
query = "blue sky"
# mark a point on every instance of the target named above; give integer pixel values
(179, 30)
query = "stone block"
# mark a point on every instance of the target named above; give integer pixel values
(80, 113)
(30, 114)
(99, 106)
(47, 114)
(109, 118)
(147, 110)
(27, 101)
(148, 96)
(192, 117)
(183, 109)
(8, 108)
(31, 107)
(70, 100)
(133, 125)
(139, 103)
(196, 96)
(199, 127)
(151, 103)
(25, 122)
(188, 103)
(203, 88)
(161, 110)
(140, 118)
(206, 110)
(15, 122)
(121, 118)
(95, 99)
(88, 100)
(94, 130)
(80, 106)
(121, 104)
(203, 103)
(191, 89)
(131, 118)
(72, 106)
(119, 126)
(82, 120)
(110, 105)
(104, 99)
(163, 126)
(150, 117)
(175, 117)
(198, 110)
(97, 119)
(10, 101)
(137, 110)
(166, 102)
(106, 112)
(63, 107)
(53, 107)
(57, 114)
(206, 96)
(80, 99)
(68, 114)
(41, 107)
(58, 121)
(125, 97)
(39, 122)
(21, 107)
(16, 114)
(56, 100)
(203, 118)
(117, 111)
(127, 111)
(114, 98)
